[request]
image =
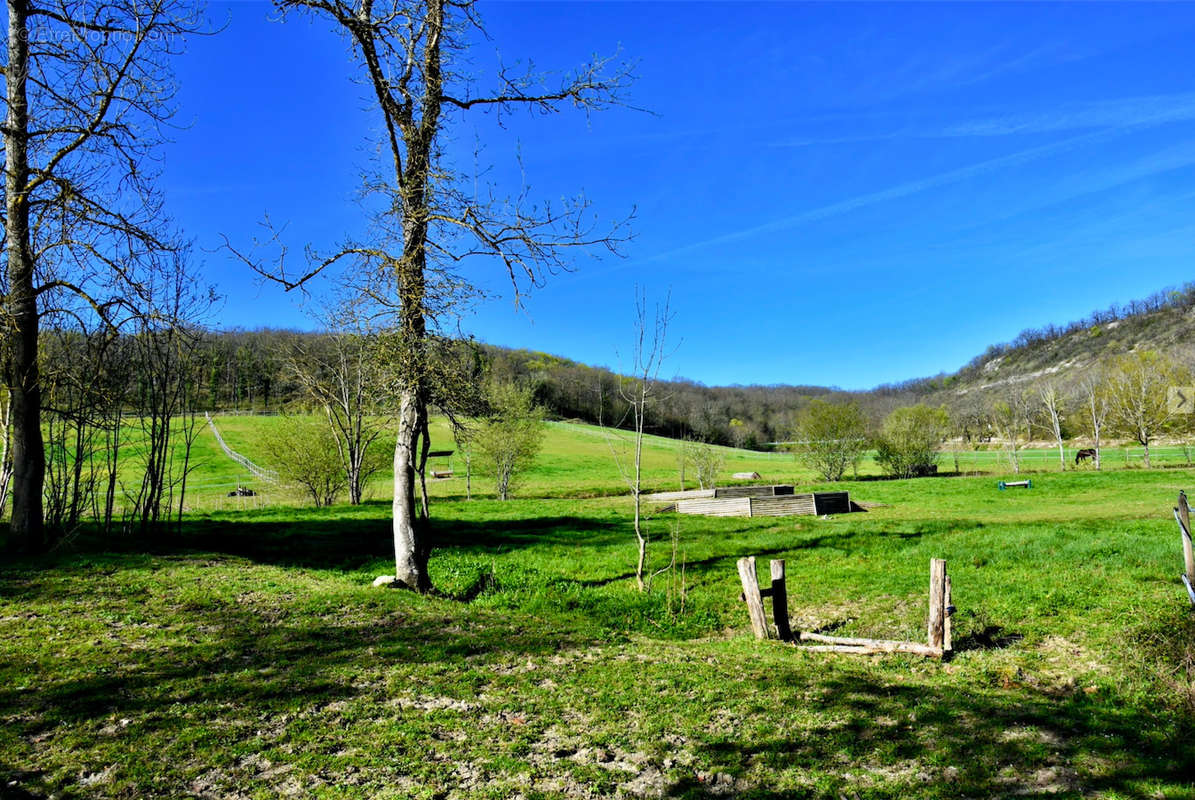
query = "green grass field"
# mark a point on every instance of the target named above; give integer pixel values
(250, 658)
(578, 460)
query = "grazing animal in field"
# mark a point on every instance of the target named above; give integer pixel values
(1084, 454)
(241, 491)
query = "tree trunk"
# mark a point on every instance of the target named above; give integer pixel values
(28, 451)
(355, 459)
(642, 563)
(1146, 445)
(410, 550)
(6, 455)
(24, 380)
(637, 487)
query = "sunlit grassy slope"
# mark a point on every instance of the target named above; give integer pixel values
(579, 459)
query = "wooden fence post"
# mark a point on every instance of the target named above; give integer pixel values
(759, 623)
(940, 608)
(937, 603)
(780, 601)
(1184, 518)
(1183, 514)
(948, 635)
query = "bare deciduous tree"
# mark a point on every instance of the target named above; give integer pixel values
(87, 89)
(1010, 418)
(684, 457)
(1053, 401)
(344, 374)
(166, 338)
(431, 219)
(1093, 392)
(638, 390)
(303, 451)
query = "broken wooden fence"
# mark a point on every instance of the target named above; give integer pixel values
(939, 628)
(1182, 513)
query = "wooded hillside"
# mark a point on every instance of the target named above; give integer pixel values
(246, 371)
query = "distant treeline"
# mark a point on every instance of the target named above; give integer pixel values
(240, 370)
(246, 370)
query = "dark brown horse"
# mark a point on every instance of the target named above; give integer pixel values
(1084, 454)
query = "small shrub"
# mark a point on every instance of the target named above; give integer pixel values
(509, 438)
(304, 453)
(908, 444)
(832, 437)
(707, 461)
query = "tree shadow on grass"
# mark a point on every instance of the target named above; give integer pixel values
(14, 781)
(337, 543)
(933, 741)
(263, 666)
(242, 680)
(990, 637)
(323, 541)
(512, 534)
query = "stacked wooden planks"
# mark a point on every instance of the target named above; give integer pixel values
(754, 501)
(791, 506)
(716, 507)
(688, 494)
(788, 505)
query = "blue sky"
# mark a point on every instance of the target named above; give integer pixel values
(836, 194)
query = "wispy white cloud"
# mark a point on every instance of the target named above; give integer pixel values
(1159, 211)
(1119, 113)
(893, 193)
(1125, 112)
(931, 72)
(1116, 122)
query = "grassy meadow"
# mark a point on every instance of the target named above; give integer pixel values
(577, 460)
(250, 658)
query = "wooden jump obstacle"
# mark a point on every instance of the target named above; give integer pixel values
(440, 474)
(940, 637)
(756, 501)
(1182, 514)
(1026, 484)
